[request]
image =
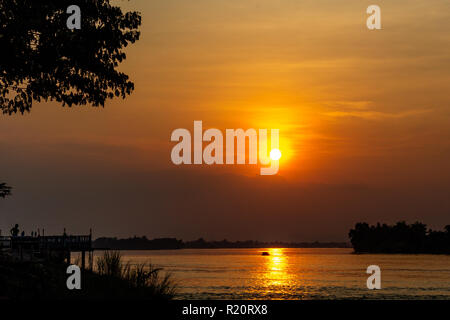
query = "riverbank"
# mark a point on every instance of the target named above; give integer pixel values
(47, 280)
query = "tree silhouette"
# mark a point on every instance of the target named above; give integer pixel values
(4, 190)
(399, 238)
(43, 60)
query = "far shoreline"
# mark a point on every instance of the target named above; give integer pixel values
(142, 243)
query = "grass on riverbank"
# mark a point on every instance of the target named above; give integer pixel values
(143, 276)
(113, 280)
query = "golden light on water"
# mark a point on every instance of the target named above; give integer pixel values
(276, 269)
(276, 260)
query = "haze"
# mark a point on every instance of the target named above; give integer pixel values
(363, 116)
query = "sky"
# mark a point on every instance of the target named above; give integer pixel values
(364, 119)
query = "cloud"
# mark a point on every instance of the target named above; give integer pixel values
(376, 115)
(345, 104)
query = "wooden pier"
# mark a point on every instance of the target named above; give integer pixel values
(49, 247)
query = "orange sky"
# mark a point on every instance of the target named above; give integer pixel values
(354, 108)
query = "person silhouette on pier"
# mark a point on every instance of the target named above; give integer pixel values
(15, 231)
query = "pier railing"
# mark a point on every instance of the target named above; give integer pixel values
(5, 242)
(70, 243)
(50, 247)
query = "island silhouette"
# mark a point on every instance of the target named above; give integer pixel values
(399, 238)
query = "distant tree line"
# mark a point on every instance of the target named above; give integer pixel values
(399, 238)
(142, 243)
(202, 243)
(137, 243)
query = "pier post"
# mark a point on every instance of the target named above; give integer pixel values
(91, 258)
(83, 260)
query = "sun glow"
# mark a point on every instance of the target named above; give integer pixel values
(275, 154)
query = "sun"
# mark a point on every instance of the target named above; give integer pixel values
(275, 154)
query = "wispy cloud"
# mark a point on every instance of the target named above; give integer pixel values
(375, 115)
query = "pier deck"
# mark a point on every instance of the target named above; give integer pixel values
(49, 246)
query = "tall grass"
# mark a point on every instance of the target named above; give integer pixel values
(145, 276)
(110, 264)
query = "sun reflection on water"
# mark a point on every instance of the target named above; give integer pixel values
(276, 270)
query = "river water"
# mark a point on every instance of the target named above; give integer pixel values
(298, 273)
